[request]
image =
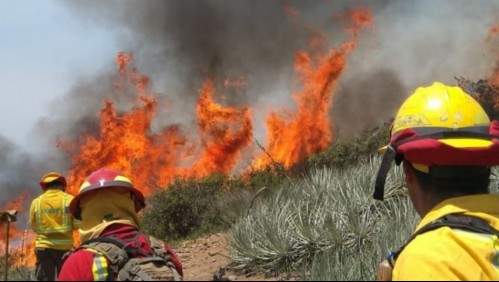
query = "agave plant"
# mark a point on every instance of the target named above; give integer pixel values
(494, 180)
(327, 223)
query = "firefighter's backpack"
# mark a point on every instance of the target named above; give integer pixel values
(125, 265)
(454, 221)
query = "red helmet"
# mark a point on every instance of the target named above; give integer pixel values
(52, 177)
(105, 179)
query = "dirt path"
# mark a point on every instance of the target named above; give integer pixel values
(204, 257)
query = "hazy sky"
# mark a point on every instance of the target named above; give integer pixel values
(47, 46)
(57, 62)
(43, 50)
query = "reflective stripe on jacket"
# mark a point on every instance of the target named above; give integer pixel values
(51, 220)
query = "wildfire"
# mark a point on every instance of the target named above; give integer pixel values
(16, 204)
(24, 255)
(224, 133)
(126, 141)
(294, 135)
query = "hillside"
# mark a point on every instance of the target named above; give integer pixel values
(206, 258)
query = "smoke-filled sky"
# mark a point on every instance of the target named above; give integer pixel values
(57, 63)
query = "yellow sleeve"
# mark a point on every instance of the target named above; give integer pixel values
(32, 216)
(75, 222)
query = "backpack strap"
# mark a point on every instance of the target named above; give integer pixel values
(158, 248)
(119, 252)
(113, 250)
(454, 221)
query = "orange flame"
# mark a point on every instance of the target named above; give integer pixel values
(224, 132)
(294, 135)
(152, 160)
(125, 141)
(23, 256)
(15, 204)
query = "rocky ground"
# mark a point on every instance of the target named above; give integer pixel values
(207, 259)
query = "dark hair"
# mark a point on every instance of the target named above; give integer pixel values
(55, 185)
(452, 181)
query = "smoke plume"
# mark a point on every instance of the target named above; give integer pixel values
(181, 43)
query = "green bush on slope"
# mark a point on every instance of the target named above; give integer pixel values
(194, 207)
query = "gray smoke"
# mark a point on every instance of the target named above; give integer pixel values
(17, 170)
(179, 43)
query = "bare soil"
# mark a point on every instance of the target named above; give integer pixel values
(207, 259)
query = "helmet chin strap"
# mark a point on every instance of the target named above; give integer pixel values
(379, 187)
(391, 152)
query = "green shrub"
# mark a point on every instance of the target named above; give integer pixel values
(270, 176)
(341, 154)
(187, 206)
(194, 207)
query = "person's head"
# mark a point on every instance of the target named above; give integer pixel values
(427, 188)
(106, 195)
(53, 180)
(446, 142)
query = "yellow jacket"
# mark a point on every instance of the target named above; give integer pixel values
(51, 220)
(452, 254)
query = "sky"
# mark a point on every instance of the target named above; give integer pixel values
(43, 49)
(57, 62)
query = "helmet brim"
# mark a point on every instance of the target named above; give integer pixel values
(74, 206)
(382, 149)
(467, 143)
(457, 143)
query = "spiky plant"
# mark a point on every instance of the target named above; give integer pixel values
(494, 180)
(328, 224)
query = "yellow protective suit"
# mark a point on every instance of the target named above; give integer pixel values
(51, 220)
(452, 254)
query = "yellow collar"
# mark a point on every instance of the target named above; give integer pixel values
(485, 206)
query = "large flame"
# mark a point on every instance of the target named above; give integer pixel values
(224, 132)
(126, 141)
(152, 160)
(292, 136)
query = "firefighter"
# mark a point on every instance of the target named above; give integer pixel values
(446, 144)
(53, 224)
(107, 205)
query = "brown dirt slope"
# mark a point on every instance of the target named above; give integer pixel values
(207, 259)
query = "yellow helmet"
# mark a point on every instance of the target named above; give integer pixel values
(440, 125)
(52, 177)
